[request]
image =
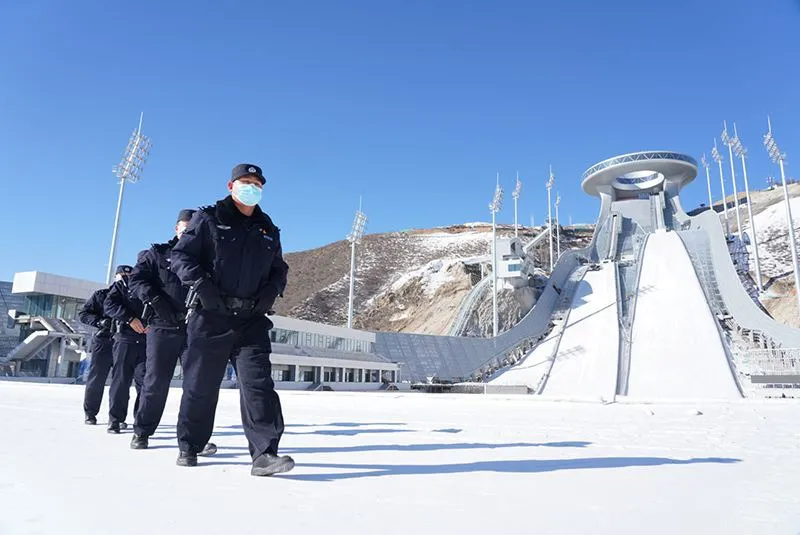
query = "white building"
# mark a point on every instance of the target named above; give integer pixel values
(305, 354)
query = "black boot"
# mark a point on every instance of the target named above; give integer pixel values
(90, 420)
(113, 428)
(123, 425)
(269, 464)
(186, 459)
(139, 442)
(210, 449)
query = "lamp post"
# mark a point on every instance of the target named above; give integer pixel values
(550, 183)
(708, 182)
(741, 152)
(494, 207)
(129, 170)
(517, 191)
(779, 158)
(356, 233)
(718, 158)
(729, 142)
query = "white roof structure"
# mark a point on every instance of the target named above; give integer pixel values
(38, 282)
(638, 171)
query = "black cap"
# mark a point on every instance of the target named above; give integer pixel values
(185, 215)
(247, 169)
(122, 269)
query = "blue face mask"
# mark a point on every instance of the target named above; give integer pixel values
(247, 194)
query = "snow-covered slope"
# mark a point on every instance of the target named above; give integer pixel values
(676, 351)
(393, 463)
(586, 363)
(773, 238)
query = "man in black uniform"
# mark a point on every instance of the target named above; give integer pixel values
(92, 314)
(155, 284)
(231, 256)
(129, 348)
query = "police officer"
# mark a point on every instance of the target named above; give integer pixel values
(129, 348)
(164, 297)
(92, 314)
(231, 256)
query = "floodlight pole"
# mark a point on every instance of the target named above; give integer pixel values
(779, 157)
(718, 158)
(354, 237)
(708, 182)
(517, 191)
(113, 252)
(550, 182)
(129, 169)
(729, 142)
(558, 230)
(494, 207)
(740, 151)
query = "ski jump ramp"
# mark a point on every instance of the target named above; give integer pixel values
(585, 364)
(645, 311)
(676, 349)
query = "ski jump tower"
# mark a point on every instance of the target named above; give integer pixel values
(642, 187)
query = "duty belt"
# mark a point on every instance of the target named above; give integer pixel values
(238, 304)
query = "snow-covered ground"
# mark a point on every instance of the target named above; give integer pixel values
(773, 237)
(411, 463)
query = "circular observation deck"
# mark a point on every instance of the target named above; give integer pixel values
(639, 171)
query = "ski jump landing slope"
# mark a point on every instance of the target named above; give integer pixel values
(676, 350)
(585, 349)
(586, 362)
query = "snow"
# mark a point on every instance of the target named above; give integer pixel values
(773, 238)
(438, 241)
(432, 276)
(410, 463)
(534, 366)
(676, 351)
(586, 363)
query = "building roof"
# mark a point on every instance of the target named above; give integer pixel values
(39, 282)
(628, 170)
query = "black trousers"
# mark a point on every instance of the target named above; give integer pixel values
(213, 340)
(100, 365)
(165, 345)
(129, 363)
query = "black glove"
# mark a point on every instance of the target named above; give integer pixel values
(265, 302)
(163, 310)
(104, 324)
(209, 296)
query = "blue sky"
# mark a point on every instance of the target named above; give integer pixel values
(413, 104)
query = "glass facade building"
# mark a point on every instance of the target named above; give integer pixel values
(9, 331)
(324, 341)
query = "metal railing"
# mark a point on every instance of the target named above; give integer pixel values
(468, 307)
(778, 361)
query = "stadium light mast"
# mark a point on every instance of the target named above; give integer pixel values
(728, 140)
(129, 170)
(717, 157)
(550, 183)
(494, 207)
(778, 157)
(708, 181)
(517, 191)
(741, 152)
(558, 229)
(356, 233)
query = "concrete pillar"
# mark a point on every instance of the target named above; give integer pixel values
(296, 372)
